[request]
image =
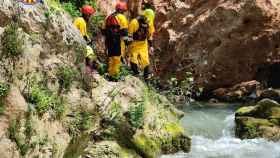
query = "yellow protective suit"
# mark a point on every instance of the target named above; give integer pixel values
(123, 22)
(115, 61)
(81, 25)
(114, 66)
(123, 25)
(138, 50)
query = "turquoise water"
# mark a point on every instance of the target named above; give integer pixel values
(212, 132)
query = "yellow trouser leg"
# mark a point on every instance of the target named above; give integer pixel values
(114, 66)
(123, 49)
(144, 60)
(140, 58)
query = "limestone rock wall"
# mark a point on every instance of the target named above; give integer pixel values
(223, 42)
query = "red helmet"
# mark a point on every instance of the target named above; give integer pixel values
(121, 6)
(88, 10)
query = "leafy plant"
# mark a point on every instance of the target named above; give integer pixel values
(12, 43)
(86, 121)
(185, 89)
(136, 114)
(71, 9)
(82, 121)
(115, 111)
(66, 75)
(45, 101)
(4, 90)
(23, 142)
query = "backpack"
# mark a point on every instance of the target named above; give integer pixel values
(112, 25)
(142, 33)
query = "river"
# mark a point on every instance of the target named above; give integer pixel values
(212, 132)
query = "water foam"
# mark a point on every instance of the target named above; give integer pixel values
(226, 145)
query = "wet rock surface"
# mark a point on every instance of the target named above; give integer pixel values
(259, 121)
(244, 91)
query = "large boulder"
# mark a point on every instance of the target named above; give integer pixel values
(262, 120)
(223, 42)
(143, 120)
(240, 92)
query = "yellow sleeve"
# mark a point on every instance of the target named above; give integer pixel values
(133, 27)
(81, 25)
(123, 22)
(151, 30)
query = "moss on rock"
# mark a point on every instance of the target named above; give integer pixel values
(149, 147)
(244, 111)
(249, 127)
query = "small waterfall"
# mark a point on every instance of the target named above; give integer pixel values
(216, 139)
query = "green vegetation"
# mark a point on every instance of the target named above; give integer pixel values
(45, 101)
(136, 114)
(185, 89)
(85, 121)
(23, 142)
(2, 108)
(115, 111)
(80, 53)
(148, 146)
(4, 90)
(82, 121)
(66, 75)
(71, 9)
(12, 44)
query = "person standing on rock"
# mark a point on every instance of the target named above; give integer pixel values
(141, 30)
(115, 30)
(81, 24)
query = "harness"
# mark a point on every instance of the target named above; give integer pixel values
(142, 33)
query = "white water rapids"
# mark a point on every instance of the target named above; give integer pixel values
(212, 132)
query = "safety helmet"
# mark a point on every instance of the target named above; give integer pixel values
(88, 10)
(122, 6)
(149, 14)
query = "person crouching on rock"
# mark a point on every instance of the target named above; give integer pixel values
(115, 30)
(92, 62)
(141, 30)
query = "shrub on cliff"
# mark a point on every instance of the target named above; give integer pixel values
(12, 44)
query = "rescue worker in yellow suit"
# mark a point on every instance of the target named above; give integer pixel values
(115, 30)
(141, 30)
(81, 22)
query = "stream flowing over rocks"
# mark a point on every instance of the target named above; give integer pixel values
(213, 135)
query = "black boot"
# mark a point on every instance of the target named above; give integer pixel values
(134, 68)
(147, 73)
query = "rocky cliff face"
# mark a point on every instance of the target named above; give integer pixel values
(223, 42)
(49, 106)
